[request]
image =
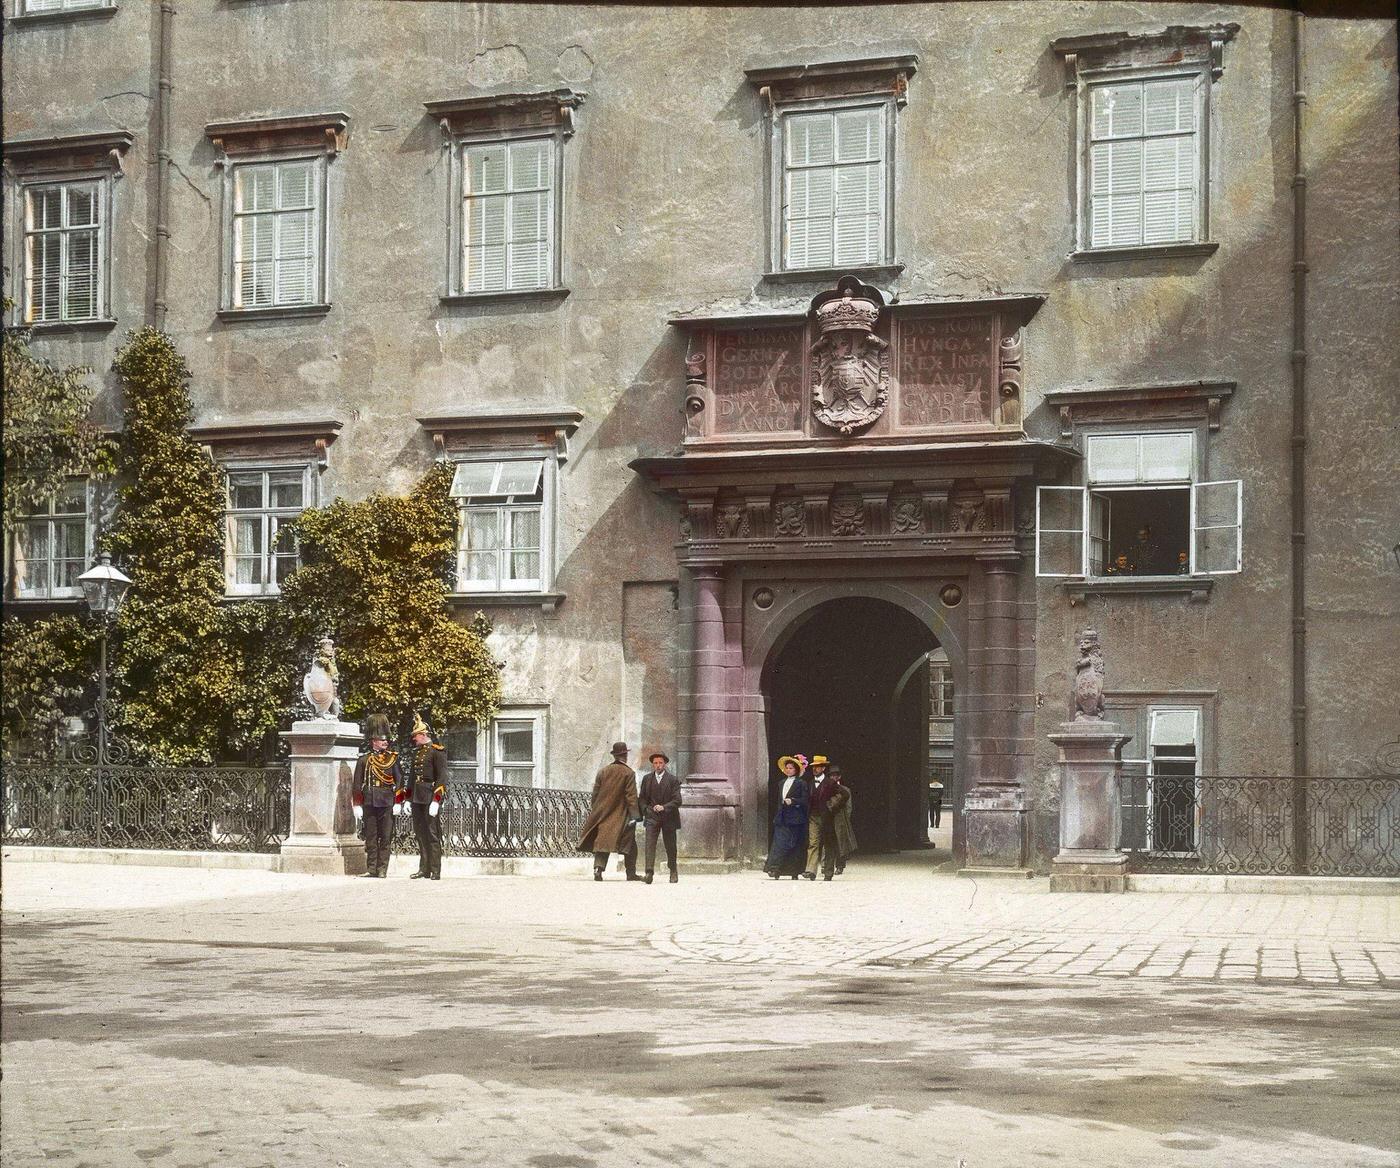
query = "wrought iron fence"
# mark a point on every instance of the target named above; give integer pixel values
(219, 809)
(1262, 824)
(489, 819)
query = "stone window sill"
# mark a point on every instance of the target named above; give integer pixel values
(875, 272)
(32, 603)
(71, 326)
(546, 601)
(64, 15)
(469, 298)
(1158, 251)
(1196, 588)
(277, 312)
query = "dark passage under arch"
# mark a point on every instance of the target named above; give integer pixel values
(834, 688)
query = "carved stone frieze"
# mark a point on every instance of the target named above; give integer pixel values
(1009, 379)
(848, 517)
(907, 516)
(790, 518)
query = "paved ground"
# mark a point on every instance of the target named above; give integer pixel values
(168, 1017)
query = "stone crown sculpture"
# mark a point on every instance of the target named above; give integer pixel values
(849, 310)
(1088, 678)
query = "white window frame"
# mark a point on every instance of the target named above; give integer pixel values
(102, 180)
(1139, 713)
(778, 179)
(14, 561)
(488, 769)
(272, 518)
(230, 295)
(49, 7)
(457, 235)
(1091, 79)
(1096, 498)
(1150, 764)
(548, 489)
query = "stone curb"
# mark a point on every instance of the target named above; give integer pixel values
(1268, 885)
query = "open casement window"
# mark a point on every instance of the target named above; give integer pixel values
(276, 234)
(833, 187)
(51, 547)
(63, 251)
(1144, 162)
(508, 215)
(1140, 514)
(501, 541)
(260, 549)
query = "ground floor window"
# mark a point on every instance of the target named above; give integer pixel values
(1161, 788)
(508, 751)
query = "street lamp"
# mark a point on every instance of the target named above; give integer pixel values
(105, 588)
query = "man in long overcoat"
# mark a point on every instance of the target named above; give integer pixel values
(612, 822)
(661, 811)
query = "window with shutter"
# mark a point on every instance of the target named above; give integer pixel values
(508, 215)
(834, 175)
(276, 234)
(33, 7)
(63, 250)
(1143, 161)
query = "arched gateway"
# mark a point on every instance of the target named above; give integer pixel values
(856, 470)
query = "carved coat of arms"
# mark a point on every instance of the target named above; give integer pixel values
(850, 364)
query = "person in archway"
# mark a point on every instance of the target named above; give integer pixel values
(845, 833)
(814, 820)
(789, 848)
(833, 795)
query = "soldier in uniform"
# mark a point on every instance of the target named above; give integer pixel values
(376, 796)
(426, 785)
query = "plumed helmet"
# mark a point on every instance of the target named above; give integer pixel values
(377, 726)
(420, 726)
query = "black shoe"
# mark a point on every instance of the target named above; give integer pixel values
(649, 876)
(434, 876)
(772, 875)
(634, 876)
(597, 873)
(840, 869)
(418, 876)
(674, 878)
(827, 876)
(807, 876)
(794, 877)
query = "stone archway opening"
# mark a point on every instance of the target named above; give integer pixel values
(851, 681)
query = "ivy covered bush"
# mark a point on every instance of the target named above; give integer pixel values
(48, 673)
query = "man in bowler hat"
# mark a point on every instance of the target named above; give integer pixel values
(661, 811)
(612, 823)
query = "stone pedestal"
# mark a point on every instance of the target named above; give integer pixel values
(1091, 817)
(709, 822)
(322, 841)
(995, 819)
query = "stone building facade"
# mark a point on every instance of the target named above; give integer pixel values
(778, 349)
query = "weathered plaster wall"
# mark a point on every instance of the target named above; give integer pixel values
(666, 212)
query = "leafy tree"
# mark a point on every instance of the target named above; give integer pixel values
(375, 575)
(49, 431)
(49, 666)
(173, 674)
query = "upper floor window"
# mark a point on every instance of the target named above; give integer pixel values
(36, 7)
(1142, 512)
(64, 251)
(277, 194)
(1143, 138)
(52, 546)
(940, 685)
(501, 538)
(507, 174)
(276, 234)
(260, 549)
(832, 162)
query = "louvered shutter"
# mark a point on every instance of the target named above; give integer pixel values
(484, 220)
(81, 268)
(296, 233)
(859, 186)
(810, 195)
(254, 235)
(530, 214)
(43, 252)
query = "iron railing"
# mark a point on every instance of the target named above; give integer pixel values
(1262, 824)
(218, 809)
(489, 819)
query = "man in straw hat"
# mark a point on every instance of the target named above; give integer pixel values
(376, 795)
(426, 783)
(820, 786)
(612, 823)
(661, 811)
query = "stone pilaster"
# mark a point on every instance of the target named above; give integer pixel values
(711, 816)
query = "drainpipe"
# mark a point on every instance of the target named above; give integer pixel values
(164, 66)
(1298, 454)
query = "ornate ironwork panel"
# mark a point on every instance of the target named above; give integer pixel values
(1249, 824)
(488, 819)
(218, 809)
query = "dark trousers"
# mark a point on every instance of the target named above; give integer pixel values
(935, 810)
(668, 835)
(830, 851)
(629, 856)
(379, 834)
(428, 829)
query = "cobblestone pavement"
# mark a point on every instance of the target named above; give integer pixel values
(192, 1018)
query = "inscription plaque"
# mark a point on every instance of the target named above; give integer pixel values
(758, 386)
(947, 371)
